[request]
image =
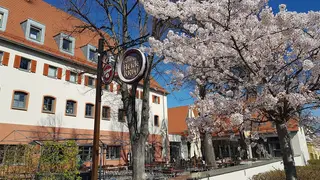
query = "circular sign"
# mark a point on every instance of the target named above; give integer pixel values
(107, 74)
(132, 66)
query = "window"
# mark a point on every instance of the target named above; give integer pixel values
(90, 52)
(106, 113)
(85, 153)
(25, 64)
(156, 99)
(3, 18)
(12, 154)
(92, 55)
(20, 100)
(156, 120)
(90, 81)
(66, 43)
(106, 87)
(49, 104)
(34, 31)
(1, 57)
(52, 71)
(122, 115)
(113, 152)
(89, 110)
(71, 108)
(73, 77)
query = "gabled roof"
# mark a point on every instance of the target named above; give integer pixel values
(56, 21)
(177, 119)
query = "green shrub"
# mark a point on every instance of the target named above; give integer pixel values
(314, 162)
(309, 172)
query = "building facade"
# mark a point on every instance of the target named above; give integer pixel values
(46, 92)
(227, 146)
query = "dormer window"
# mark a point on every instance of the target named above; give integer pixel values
(3, 18)
(66, 43)
(90, 52)
(34, 31)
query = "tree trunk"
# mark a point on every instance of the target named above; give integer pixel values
(287, 152)
(209, 155)
(243, 146)
(138, 154)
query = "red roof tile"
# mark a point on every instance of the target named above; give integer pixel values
(56, 21)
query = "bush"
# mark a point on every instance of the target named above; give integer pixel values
(310, 172)
(314, 162)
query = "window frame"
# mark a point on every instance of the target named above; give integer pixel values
(87, 50)
(53, 105)
(76, 77)
(109, 152)
(56, 74)
(4, 21)
(154, 121)
(108, 114)
(85, 110)
(81, 153)
(75, 106)
(1, 57)
(15, 149)
(59, 39)
(29, 64)
(93, 81)
(26, 100)
(28, 24)
(155, 99)
(123, 112)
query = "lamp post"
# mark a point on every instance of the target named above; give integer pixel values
(96, 133)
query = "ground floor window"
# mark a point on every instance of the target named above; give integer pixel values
(12, 154)
(85, 153)
(113, 152)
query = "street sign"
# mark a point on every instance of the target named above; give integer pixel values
(132, 66)
(108, 73)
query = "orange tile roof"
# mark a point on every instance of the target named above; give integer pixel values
(177, 123)
(177, 119)
(56, 21)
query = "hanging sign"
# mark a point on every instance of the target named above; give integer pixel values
(107, 74)
(132, 66)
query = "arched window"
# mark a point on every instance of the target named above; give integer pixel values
(89, 110)
(156, 120)
(71, 108)
(49, 104)
(106, 113)
(20, 100)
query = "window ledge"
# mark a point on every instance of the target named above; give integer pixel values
(20, 109)
(72, 82)
(24, 70)
(52, 77)
(106, 119)
(89, 117)
(48, 112)
(71, 115)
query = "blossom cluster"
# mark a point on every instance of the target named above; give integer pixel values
(248, 53)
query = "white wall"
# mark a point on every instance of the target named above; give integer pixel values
(39, 85)
(246, 174)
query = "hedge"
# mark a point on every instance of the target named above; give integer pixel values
(309, 172)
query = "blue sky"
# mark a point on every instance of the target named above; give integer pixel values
(182, 97)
